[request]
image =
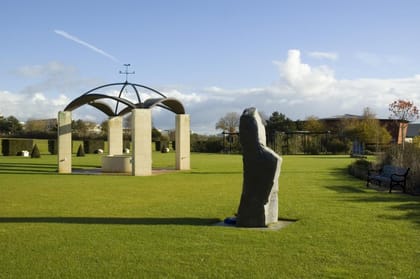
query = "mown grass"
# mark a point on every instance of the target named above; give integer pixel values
(104, 226)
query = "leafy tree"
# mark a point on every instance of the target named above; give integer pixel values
(10, 126)
(229, 122)
(82, 128)
(156, 134)
(313, 124)
(104, 128)
(280, 123)
(367, 129)
(14, 124)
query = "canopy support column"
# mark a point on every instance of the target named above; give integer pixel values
(115, 136)
(182, 141)
(64, 142)
(141, 137)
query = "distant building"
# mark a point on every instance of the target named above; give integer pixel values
(41, 125)
(413, 131)
(394, 127)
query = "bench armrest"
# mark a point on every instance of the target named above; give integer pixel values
(396, 176)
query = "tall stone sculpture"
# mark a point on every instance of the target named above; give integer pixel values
(258, 206)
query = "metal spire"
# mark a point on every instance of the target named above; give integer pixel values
(126, 73)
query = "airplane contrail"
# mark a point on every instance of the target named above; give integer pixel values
(83, 43)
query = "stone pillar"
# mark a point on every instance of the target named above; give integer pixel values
(64, 142)
(115, 136)
(182, 142)
(141, 137)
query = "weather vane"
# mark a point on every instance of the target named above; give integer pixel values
(126, 73)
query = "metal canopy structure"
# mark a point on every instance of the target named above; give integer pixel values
(119, 105)
(117, 100)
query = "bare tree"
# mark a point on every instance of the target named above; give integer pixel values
(229, 122)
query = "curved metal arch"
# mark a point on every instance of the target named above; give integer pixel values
(149, 88)
(167, 103)
(89, 99)
(170, 104)
(105, 108)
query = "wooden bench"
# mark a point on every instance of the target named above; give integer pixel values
(391, 175)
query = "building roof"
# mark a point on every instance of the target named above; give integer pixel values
(353, 116)
(344, 116)
(413, 130)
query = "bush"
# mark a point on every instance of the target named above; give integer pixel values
(359, 168)
(214, 145)
(35, 152)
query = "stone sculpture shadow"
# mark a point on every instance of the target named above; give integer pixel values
(183, 221)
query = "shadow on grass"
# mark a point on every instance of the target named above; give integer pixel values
(189, 221)
(411, 212)
(346, 189)
(25, 168)
(407, 205)
(40, 168)
(215, 172)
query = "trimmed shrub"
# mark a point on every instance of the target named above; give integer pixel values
(80, 151)
(157, 146)
(52, 146)
(35, 152)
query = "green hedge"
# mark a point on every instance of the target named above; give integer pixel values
(11, 147)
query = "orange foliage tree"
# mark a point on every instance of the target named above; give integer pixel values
(404, 111)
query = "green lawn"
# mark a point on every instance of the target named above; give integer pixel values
(104, 226)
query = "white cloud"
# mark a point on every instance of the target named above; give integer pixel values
(33, 106)
(192, 98)
(302, 90)
(304, 79)
(61, 101)
(323, 55)
(38, 98)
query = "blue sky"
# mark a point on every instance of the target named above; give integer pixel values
(301, 58)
